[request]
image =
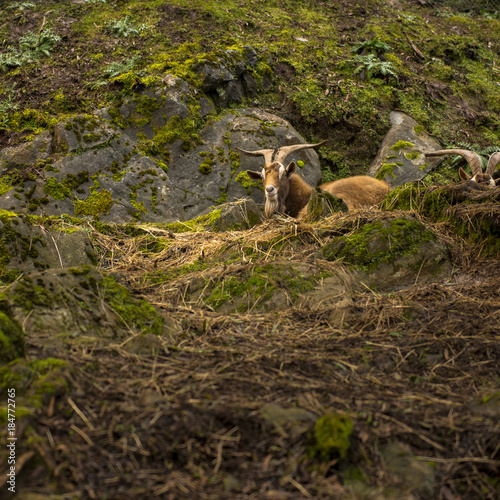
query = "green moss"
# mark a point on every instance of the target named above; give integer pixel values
(201, 223)
(414, 155)
(206, 167)
(96, 204)
(402, 145)
(11, 339)
(247, 183)
(385, 170)
(331, 436)
(55, 189)
(255, 287)
(132, 312)
(35, 382)
(379, 242)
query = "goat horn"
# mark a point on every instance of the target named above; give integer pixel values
(266, 153)
(493, 163)
(285, 151)
(473, 159)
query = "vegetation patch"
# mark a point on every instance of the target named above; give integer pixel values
(378, 242)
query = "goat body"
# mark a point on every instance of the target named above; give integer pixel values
(359, 191)
(286, 192)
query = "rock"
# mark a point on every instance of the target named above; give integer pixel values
(392, 254)
(11, 339)
(401, 157)
(237, 215)
(26, 247)
(287, 421)
(269, 287)
(26, 154)
(79, 301)
(83, 132)
(114, 183)
(415, 475)
(151, 109)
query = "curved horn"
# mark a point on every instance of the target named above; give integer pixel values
(493, 163)
(266, 153)
(473, 159)
(285, 151)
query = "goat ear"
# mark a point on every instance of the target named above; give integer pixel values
(254, 175)
(290, 169)
(463, 174)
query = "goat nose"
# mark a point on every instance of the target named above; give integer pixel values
(270, 188)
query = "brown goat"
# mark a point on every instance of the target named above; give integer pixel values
(474, 161)
(286, 192)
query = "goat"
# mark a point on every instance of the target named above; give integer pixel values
(286, 192)
(474, 161)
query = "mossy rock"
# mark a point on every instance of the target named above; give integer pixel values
(267, 287)
(469, 210)
(11, 339)
(80, 301)
(26, 246)
(391, 253)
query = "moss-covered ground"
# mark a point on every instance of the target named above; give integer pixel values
(338, 68)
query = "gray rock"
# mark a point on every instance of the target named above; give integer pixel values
(26, 154)
(151, 109)
(392, 254)
(83, 132)
(79, 301)
(237, 215)
(26, 247)
(401, 157)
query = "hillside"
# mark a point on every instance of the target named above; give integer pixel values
(159, 338)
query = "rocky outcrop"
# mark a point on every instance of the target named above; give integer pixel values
(392, 253)
(108, 175)
(401, 157)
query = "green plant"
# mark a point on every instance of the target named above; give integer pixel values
(117, 68)
(34, 44)
(20, 6)
(124, 28)
(374, 46)
(374, 67)
(31, 47)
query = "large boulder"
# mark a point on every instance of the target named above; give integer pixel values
(401, 157)
(109, 177)
(25, 155)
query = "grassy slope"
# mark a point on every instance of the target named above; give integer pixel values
(322, 85)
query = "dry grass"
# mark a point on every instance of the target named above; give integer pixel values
(185, 418)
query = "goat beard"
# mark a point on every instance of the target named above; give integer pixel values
(271, 206)
(275, 205)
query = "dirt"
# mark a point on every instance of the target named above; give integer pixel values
(188, 420)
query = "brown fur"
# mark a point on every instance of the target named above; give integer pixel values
(481, 179)
(359, 191)
(294, 192)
